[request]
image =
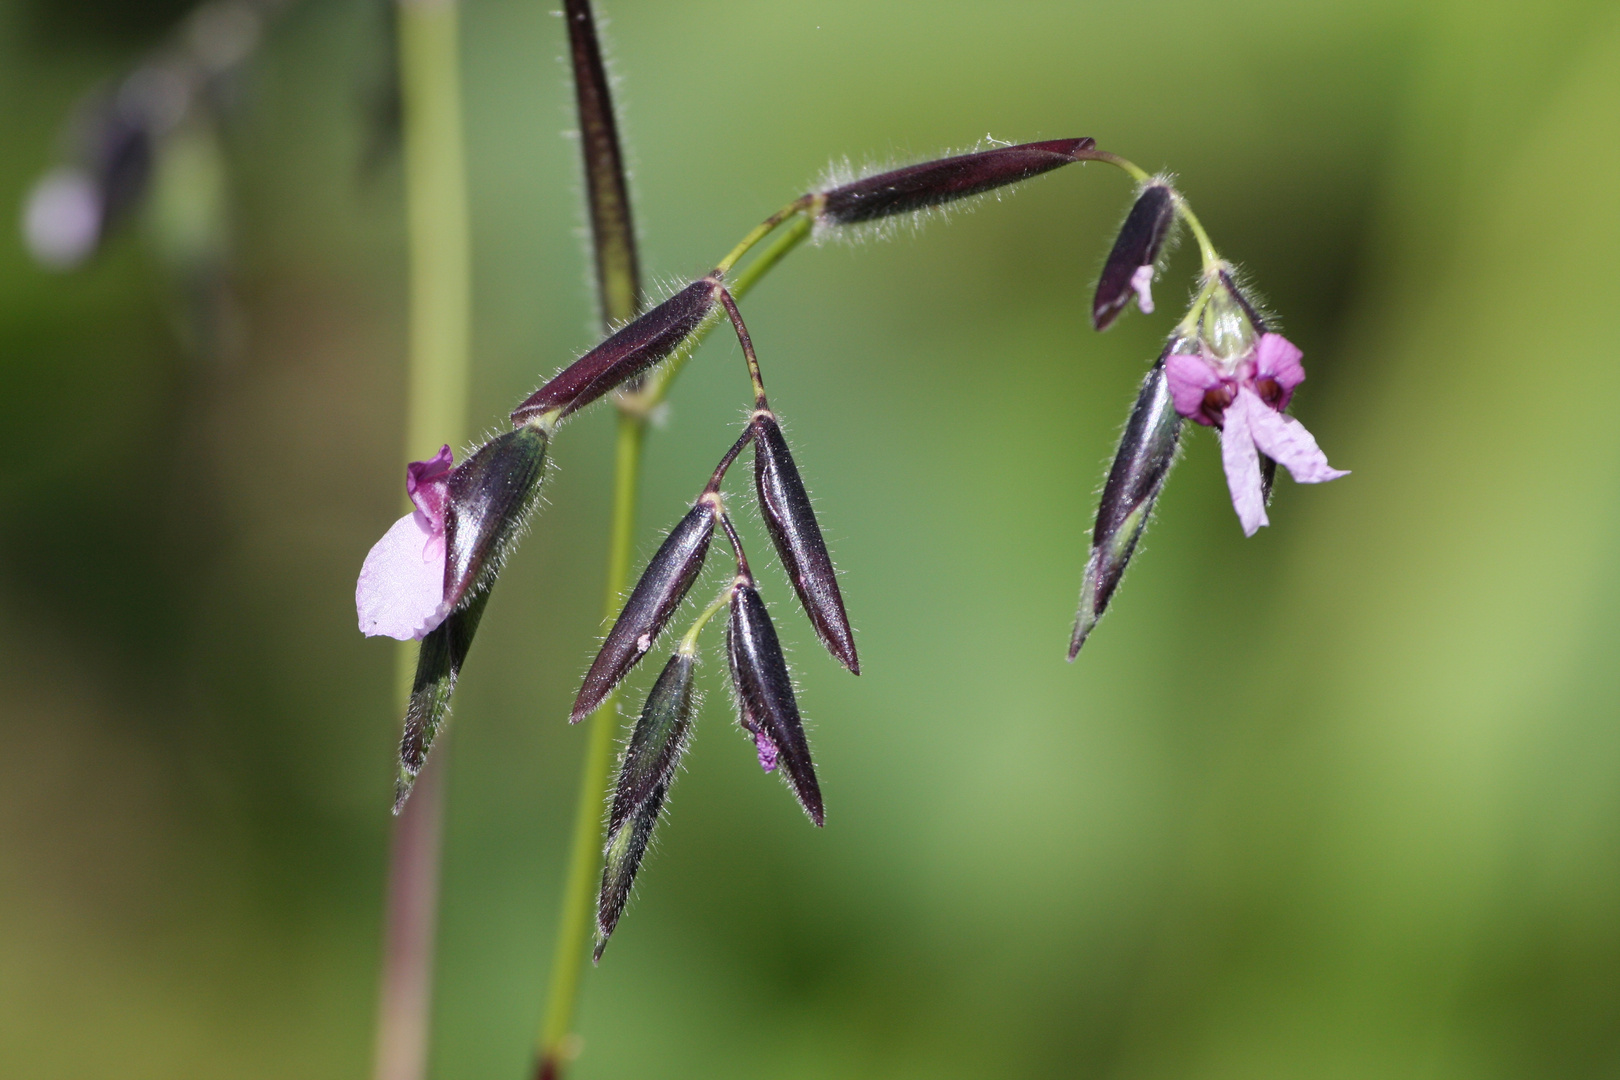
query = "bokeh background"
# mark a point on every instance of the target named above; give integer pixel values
(1342, 800)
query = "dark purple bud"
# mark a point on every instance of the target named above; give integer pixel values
(1129, 269)
(438, 664)
(491, 494)
(932, 183)
(625, 354)
(792, 524)
(1146, 452)
(663, 585)
(765, 699)
(625, 847)
(658, 741)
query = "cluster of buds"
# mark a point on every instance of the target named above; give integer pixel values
(117, 133)
(430, 576)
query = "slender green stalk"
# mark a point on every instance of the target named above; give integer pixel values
(436, 408)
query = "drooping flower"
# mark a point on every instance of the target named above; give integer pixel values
(401, 589)
(1245, 398)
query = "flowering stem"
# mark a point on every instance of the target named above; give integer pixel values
(436, 397)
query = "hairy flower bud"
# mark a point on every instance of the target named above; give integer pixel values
(663, 585)
(621, 859)
(659, 739)
(635, 347)
(1146, 452)
(1131, 262)
(491, 494)
(933, 183)
(785, 506)
(438, 664)
(765, 701)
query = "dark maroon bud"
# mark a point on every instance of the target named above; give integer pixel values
(438, 664)
(1146, 452)
(663, 585)
(491, 495)
(932, 183)
(1129, 269)
(792, 524)
(626, 846)
(765, 698)
(625, 354)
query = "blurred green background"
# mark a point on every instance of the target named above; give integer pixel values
(1339, 801)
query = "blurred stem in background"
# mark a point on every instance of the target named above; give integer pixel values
(436, 408)
(613, 244)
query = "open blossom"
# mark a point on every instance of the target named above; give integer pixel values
(1245, 398)
(401, 589)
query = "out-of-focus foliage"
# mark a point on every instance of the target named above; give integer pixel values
(1339, 801)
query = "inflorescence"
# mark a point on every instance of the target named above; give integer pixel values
(430, 576)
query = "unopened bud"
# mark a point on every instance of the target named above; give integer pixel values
(490, 496)
(650, 338)
(663, 585)
(1146, 452)
(765, 698)
(785, 506)
(933, 183)
(1130, 264)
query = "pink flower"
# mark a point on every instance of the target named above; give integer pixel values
(1245, 398)
(401, 589)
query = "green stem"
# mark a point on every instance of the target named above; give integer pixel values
(584, 863)
(436, 409)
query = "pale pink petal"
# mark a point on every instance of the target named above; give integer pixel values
(1277, 358)
(1285, 439)
(767, 750)
(1242, 463)
(1189, 377)
(428, 485)
(401, 589)
(1142, 282)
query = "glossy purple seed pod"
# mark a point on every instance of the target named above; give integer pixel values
(764, 691)
(663, 585)
(933, 183)
(490, 497)
(1146, 452)
(626, 846)
(658, 741)
(785, 506)
(1140, 240)
(635, 347)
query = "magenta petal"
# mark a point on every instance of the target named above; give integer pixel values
(428, 485)
(1285, 439)
(1277, 358)
(767, 750)
(1189, 376)
(1242, 463)
(401, 589)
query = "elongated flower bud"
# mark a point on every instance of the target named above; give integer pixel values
(627, 353)
(663, 585)
(765, 698)
(658, 741)
(491, 494)
(438, 664)
(785, 506)
(932, 183)
(1131, 262)
(621, 859)
(1146, 452)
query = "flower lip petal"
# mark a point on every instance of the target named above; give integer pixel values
(1286, 441)
(1242, 462)
(400, 593)
(427, 482)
